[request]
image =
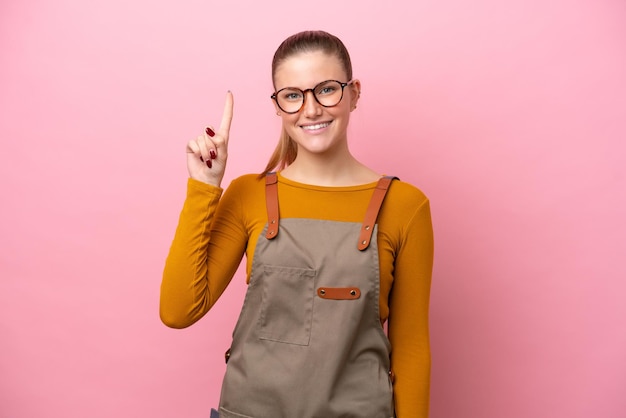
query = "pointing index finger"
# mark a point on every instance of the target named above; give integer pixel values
(227, 116)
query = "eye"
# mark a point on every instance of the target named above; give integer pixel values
(291, 95)
(326, 89)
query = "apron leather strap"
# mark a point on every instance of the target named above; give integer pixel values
(273, 218)
(372, 212)
(271, 200)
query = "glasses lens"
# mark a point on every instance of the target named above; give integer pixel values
(328, 93)
(290, 100)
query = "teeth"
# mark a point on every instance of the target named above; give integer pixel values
(317, 126)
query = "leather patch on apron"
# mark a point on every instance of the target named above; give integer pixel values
(339, 293)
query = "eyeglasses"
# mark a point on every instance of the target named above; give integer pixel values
(327, 93)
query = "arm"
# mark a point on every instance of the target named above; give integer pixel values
(408, 317)
(193, 279)
(205, 253)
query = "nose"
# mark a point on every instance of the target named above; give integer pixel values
(310, 107)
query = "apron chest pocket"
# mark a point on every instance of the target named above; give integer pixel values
(286, 304)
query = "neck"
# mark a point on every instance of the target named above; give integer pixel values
(337, 169)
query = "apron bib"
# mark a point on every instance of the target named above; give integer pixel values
(308, 342)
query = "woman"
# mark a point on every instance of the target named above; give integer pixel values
(334, 251)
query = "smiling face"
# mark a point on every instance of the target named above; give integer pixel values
(316, 129)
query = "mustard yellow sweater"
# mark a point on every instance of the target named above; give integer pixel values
(215, 231)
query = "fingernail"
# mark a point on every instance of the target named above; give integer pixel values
(210, 132)
(209, 163)
(213, 155)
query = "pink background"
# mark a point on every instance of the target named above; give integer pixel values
(510, 115)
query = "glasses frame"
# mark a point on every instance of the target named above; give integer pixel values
(274, 95)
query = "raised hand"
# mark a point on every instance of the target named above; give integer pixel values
(207, 154)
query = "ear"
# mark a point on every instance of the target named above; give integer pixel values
(355, 90)
(278, 112)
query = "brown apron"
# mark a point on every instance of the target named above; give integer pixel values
(309, 342)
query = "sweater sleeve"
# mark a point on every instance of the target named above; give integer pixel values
(408, 317)
(206, 251)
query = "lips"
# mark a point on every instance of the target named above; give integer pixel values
(316, 126)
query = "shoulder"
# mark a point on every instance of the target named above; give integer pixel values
(403, 204)
(245, 190)
(244, 199)
(405, 214)
(246, 182)
(405, 195)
